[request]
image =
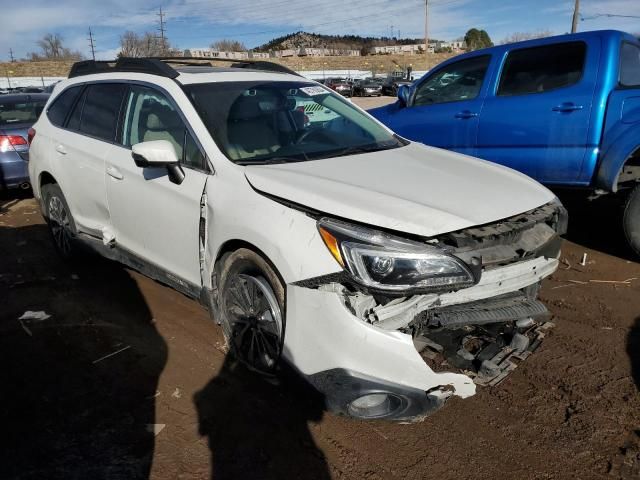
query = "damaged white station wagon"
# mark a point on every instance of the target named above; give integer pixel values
(391, 275)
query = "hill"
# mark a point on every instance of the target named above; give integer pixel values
(340, 42)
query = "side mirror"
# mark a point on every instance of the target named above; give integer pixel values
(158, 153)
(404, 95)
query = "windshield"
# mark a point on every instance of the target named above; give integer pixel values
(259, 123)
(14, 112)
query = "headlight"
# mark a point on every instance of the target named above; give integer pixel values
(386, 262)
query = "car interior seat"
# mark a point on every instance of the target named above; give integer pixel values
(249, 131)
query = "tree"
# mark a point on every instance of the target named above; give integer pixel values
(476, 39)
(145, 45)
(226, 45)
(521, 36)
(51, 48)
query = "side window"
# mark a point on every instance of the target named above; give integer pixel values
(541, 69)
(458, 81)
(58, 111)
(74, 120)
(629, 65)
(101, 110)
(150, 116)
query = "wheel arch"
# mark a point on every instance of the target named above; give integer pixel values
(623, 152)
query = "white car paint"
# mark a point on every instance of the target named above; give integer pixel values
(413, 189)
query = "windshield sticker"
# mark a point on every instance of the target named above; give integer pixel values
(312, 91)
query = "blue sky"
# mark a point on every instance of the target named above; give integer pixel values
(197, 23)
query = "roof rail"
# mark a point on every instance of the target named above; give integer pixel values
(123, 64)
(235, 63)
(160, 65)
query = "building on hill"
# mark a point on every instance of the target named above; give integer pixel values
(434, 45)
(299, 52)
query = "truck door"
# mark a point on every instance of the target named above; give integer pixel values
(537, 118)
(445, 107)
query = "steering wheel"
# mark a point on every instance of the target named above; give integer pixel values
(309, 133)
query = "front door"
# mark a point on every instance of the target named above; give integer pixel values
(154, 218)
(445, 108)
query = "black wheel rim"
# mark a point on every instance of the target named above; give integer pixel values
(255, 321)
(60, 224)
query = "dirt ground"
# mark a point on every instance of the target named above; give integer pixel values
(128, 379)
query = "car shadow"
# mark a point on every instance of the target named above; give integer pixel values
(258, 428)
(633, 350)
(77, 384)
(597, 224)
(8, 198)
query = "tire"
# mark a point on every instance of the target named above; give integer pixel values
(60, 221)
(631, 219)
(252, 309)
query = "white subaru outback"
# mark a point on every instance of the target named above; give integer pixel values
(389, 274)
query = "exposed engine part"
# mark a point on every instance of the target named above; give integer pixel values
(486, 353)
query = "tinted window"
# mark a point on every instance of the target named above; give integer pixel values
(101, 110)
(455, 82)
(62, 104)
(74, 120)
(193, 157)
(630, 65)
(13, 112)
(540, 69)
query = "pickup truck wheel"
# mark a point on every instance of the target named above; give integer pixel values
(251, 304)
(58, 217)
(631, 219)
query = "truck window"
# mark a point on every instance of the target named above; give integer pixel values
(541, 69)
(453, 83)
(630, 65)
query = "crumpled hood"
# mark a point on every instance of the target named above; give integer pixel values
(414, 189)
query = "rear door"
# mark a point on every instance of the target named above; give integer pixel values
(81, 147)
(537, 118)
(446, 105)
(153, 218)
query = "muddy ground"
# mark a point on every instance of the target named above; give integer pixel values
(168, 404)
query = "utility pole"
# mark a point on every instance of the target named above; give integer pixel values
(11, 55)
(426, 29)
(576, 16)
(163, 45)
(92, 45)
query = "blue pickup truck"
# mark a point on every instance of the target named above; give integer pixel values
(565, 110)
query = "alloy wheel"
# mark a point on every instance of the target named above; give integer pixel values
(60, 224)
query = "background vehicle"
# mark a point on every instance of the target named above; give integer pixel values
(564, 110)
(367, 88)
(18, 112)
(220, 184)
(340, 85)
(391, 85)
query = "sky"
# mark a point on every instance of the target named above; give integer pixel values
(198, 23)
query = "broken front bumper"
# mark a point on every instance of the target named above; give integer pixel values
(349, 347)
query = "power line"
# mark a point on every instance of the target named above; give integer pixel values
(92, 44)
(598, 15)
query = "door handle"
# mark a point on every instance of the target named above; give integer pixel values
(567, 107)
(115, 173)
(466, 114)
(61, 150)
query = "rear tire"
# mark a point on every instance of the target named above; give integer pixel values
(60, 221)
(252, 309)
(631, 220)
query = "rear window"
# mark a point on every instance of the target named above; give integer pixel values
(541, 69)
(21, 111)
(630, 65)
(101, 110)
(58, 111)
